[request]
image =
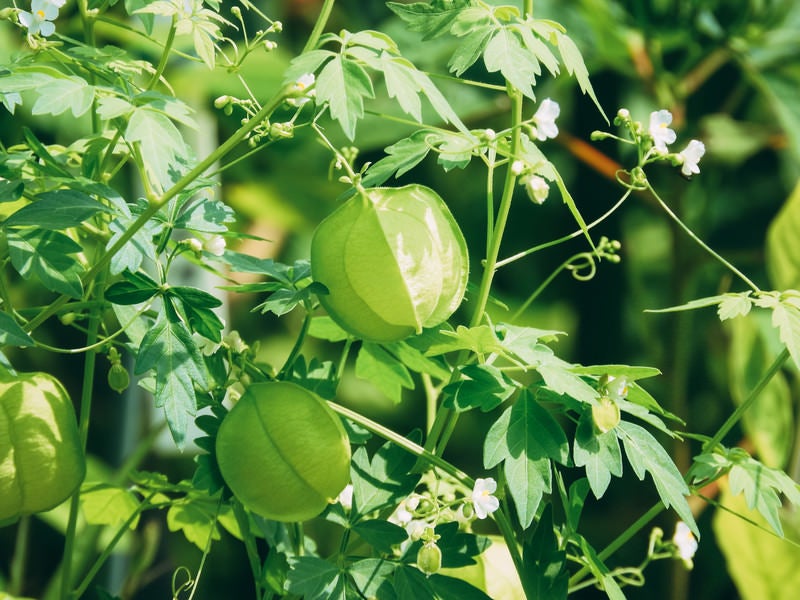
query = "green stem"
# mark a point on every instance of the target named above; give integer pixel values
(20, 557)
(319, 26)
(162, 63)
(449, 417)
(98, 564)
(298, 346)
(87, 389)
(700, 242)
(249, 543)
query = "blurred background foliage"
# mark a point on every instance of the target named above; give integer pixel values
(728, 70)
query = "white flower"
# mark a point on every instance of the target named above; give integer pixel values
(235, 342)
(490, 134)
(482, 499)
(690, 156)
(195, 245)
(301, 93)
(517, 167)
(545, 119)
(536, 187)
(40, 17)
(206, 346)
(659, 129)
(345, 497)
(215, 245)
(684, 540)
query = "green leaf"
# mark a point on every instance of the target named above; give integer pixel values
(734, 305)
(108, 505)
(495, 445)
(528, 479)
(383, 481)
(600, 571)
(572, 59)
(207, 216)
(481, 340)
(163, 150)
(430, 19)
(196, 306)
(451, 588)
(382, 370)
(401, 158)
(64, 93)
(137, 287)
(481, 386)
(196, 519)
(646, 454)
(381, 535)
(786, 317)
(168, 348)
(11, 334)
(628, 372)
(545, 572)
(11, 191)
(136, 249)
(56, 210)
(470, 49)
(343, 84)
(783, 244)
(762, 565)
(369, 574)
(411, 584)
(416, 360)
(691, 305)
(46, 256)
(505, 53)
(325, 328)
(598, 453)
(769, 422)
(313, 578)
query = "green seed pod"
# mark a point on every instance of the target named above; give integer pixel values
(41, 457)
(283, 452)
(118, 378)
(605, 414)
(393, 260)
(429, 558)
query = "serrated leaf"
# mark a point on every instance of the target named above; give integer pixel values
(505, 53)
(495, 444)
(197, 520)
(481, 340)
(207, 216)
(470, 49)
(137, 287)
(47, 256)
(528, 479)
(573, 61)
(163, 149)
(786, 317)
(343, 84)
(140, 247)
(734, 305)
(533, 431)
(196, 306)
(430, 19)
(598, 453)
(482, 386)
(382, 481)
(646, 455)
(401, 158)
(65, 93)
(381, 535)
(382, 370)
(168, 348)
(57, 210)
(783, 244)
(416, 360)
(108, 505)
(11, 334)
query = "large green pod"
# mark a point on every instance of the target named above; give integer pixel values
(283, 452)
(41, 458)
(394, 261)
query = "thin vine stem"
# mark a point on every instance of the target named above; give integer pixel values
(700, 242)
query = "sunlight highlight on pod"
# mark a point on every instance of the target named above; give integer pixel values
(393, 260)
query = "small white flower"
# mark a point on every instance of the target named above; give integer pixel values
(482, 499)
(659, 129)
(206, 346)
(490, 134)
(301, 93)
(690, 157)
(545, 119)
(345, 497)
(416, 528)
(624, 113)
(686, 543)
(215, 245)
(517, 167)
(536, 187)
(235, 342)
(195, 245)
(39, 20)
